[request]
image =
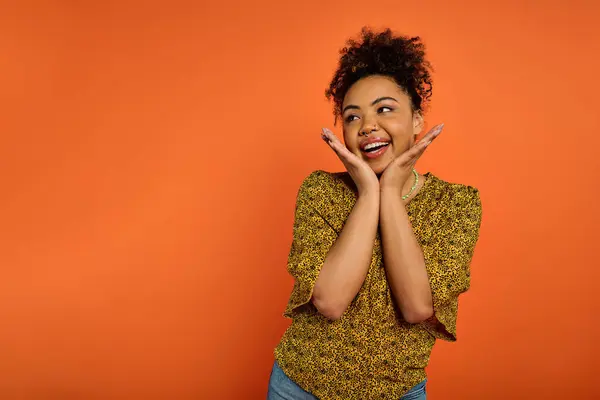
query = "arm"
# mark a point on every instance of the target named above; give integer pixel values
(403, 258)
(404, 261)
(348, 260)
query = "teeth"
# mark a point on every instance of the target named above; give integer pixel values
(376, 145)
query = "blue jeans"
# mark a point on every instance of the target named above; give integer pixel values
(283, 388)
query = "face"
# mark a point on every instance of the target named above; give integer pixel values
(379, 122)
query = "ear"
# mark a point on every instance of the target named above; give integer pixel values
(418, 123)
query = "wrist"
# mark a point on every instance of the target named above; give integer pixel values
(369, 194)
(391, 203)
(391, 190)
(392, 182)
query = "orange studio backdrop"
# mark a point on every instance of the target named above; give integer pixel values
(151, 153)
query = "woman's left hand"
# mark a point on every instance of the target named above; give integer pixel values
(398, 171)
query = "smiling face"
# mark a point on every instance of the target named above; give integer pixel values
(379, 122)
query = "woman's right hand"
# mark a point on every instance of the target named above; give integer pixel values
(363, 176)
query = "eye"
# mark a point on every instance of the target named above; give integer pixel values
(350, 118)
(384, 109)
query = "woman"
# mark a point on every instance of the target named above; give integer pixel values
(380, 253)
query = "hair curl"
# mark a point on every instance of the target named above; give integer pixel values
(383, 53)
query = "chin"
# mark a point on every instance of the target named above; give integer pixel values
(378, 166)
(378, 171)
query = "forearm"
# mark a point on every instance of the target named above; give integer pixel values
(404, 262)
(347, 262)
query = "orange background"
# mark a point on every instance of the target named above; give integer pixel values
(150, 158)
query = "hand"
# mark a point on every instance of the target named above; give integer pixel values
(397, 172)
(362, 174)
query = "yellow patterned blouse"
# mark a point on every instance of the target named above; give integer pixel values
(371, 352)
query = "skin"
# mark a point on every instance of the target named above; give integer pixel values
(377, 106)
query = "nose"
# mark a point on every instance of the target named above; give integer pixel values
(368, 128)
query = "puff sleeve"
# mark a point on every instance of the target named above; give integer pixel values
(448, 258)
(312, 239)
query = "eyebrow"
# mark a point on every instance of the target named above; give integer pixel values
(380, 99)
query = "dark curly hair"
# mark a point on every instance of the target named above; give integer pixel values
(383, 53)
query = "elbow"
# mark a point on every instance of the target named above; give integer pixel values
(331, 310)
(332, 314)
(418, 314)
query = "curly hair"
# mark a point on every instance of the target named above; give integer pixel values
(383, 53)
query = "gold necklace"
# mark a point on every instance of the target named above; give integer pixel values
(414, 186)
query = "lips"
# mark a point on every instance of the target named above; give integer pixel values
(374, 147)
(368, 143)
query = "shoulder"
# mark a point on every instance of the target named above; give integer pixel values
(331, 193)
(323, 182)
(458, 198)
(323, 177)
(459, 193)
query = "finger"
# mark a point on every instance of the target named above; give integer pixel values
(330, 136)
(335, 144)
(330, 139)
(346, 156)
(420, 147)
(433, 133)
(411, 156)
(414, 154)
(343, 153)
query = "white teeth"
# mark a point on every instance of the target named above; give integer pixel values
(375, 145)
